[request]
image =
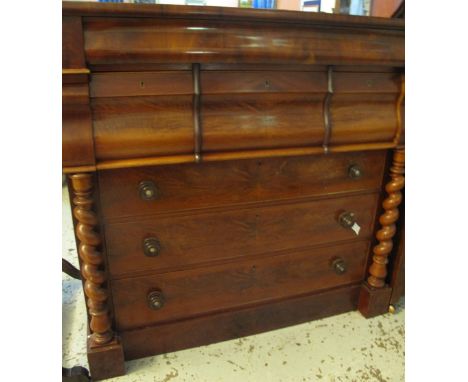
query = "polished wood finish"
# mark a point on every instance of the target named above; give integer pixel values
(194, 238)
(106, 361)
(226, 170)
(132, 127)
(400, 112)
(239, 111)
(214, 33)
(243, 283)
(140, 84)
(105, 353)
(73, 56)
(264, 81)
(376, 293)
(226, 156)
(378, 269)
(77, 136)
(77, 139)
(288, 120)
(279, 91)
(177, 335)
(189, 186)
(92, 259)
(374, 301)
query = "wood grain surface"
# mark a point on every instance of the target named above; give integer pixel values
(133, 39)
(126, 127)
(192, 186)
(192, 238)
(203, 330)
(243, 283)
(278, 109)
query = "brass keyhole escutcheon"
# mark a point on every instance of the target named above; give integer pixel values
(267, 84)
(147, 190)
(155, 300)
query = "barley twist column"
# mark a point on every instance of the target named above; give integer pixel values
(378, 268)
(89, 242)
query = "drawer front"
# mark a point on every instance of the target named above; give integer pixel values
(190, 293)
(267, 121)
(151, 113)
(129, 127)
(172, 242)
(262, 81)
(191, 186)
(247, 110)
(129, 84)
(363, 118)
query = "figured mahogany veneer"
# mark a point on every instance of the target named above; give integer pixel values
(182, 334)
(193, 238)
(231, 171)
(190, 186)
(209, 37)
(150, 113)
(195, 292)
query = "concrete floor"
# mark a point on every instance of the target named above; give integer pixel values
(346, 347)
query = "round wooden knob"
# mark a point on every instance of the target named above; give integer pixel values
(151, 246)
(354, 171)
(346, 219)
(155, 300)
(148, 190)
(339, 266)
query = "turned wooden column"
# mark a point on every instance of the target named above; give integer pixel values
(378, 268)
(105, 353)
(375, 294)
(92, 259)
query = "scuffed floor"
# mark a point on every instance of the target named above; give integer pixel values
(346, 347)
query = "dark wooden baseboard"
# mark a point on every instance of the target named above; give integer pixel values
(205, 330)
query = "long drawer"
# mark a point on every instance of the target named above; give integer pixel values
(143, 301)
(191, 186)
(160, 243)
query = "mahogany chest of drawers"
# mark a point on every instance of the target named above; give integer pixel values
(231, 171)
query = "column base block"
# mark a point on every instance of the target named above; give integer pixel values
(106, 361)
(374, 301)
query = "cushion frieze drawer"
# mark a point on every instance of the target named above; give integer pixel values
(170, 296)
(140, 84)
(175, 241)
(128, 127)
(192, 186)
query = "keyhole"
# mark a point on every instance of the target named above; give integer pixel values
(142, 84)
(267, 84)
(369, 83)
